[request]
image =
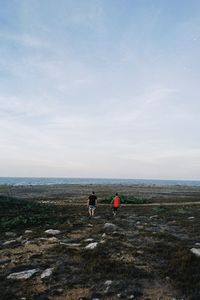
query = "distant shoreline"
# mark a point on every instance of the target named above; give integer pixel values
(48, 181)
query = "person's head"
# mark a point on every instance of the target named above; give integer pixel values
(93, 192)
(116, 194)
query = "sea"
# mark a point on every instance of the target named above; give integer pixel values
(25, 181)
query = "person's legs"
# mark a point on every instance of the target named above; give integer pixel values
(90, 211)
(93, 211)
(115, 211)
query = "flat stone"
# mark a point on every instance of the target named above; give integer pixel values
(22, 275)
(47, 273)
(195, 251)
(91, 246)
(190, 218)
(52, 231)
(71, 245)
(9, 242)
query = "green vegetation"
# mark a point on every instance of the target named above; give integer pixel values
(126, 199)
(17, 212)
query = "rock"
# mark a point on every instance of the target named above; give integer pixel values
(28, 243)
(10, 234)
(91, 246)
(89, 240)
(108, 282)
(22, 275)
(153, 217)
(110, 226)
(53, 240)
(102, 241)
(28, 231)
(138, 222)
(195, 251)
(140, 252)
(52, 231)
(197, 244)
(103, 235)
(9, 242)
(20, 238)
(190, 218)
(71, 245)
(47, 273)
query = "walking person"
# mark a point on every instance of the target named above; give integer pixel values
(115, 204)
(92, 203)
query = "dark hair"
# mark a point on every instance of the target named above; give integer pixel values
(93, 192)
(116, 194)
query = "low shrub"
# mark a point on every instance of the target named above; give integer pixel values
(126, 199)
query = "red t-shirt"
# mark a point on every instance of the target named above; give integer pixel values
(116, 201)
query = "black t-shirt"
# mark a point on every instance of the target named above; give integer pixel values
(92, 199)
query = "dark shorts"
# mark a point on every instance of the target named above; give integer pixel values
(115, 208)
(92, 207)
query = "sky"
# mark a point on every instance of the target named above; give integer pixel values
(100, 88)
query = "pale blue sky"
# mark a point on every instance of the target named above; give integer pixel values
(104, 88)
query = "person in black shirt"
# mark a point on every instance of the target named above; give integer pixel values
(92, 202)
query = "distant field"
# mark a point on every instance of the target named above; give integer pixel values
(79, 193)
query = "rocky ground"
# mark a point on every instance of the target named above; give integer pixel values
(143, 253)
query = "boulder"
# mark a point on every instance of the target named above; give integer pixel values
(22, 275)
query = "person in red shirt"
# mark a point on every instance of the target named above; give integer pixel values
(115, 204)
